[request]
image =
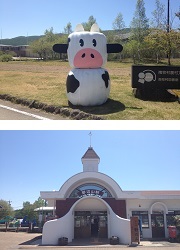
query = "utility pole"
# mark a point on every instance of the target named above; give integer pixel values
(168, 31)
(168, 17)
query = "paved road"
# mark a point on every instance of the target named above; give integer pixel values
(11, 111)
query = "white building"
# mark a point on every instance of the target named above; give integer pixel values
(92, 204)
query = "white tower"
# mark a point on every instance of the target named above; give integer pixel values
(90, 161)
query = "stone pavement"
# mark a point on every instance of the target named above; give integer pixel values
(21, 240)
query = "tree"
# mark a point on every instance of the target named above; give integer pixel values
(131, 49)
(119, 23)
(68, 28)
(43, 46)
(28, 209)
(87, 25)
(6, 209)
(163, 43)
(159, 17)
(158, 25)
(139, 25)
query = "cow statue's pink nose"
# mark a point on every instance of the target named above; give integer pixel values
(88, 58)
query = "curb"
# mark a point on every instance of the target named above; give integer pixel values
(74, 114)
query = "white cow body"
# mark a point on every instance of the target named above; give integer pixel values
(93, 90)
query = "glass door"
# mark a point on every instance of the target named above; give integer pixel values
(157, 222)
(82, 225)
(90, 224)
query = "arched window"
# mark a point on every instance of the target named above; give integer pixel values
(90, 189)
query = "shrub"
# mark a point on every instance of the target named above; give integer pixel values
(5, 58)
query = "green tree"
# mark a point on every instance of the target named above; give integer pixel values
(119, 23)
(68, 28)
(139, 26)
(131, 49)
(153, 40)
(154, 44)
(163, 43)
(6, 209)
(159, 17)
(28, 209)
(39, 203)
(87, 25)
(43, 46)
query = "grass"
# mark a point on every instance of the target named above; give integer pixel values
(46, 82)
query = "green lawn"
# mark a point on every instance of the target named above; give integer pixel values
(46, 82)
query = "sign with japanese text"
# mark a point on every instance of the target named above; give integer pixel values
(90, 192)
(135, 236)
(165, 77)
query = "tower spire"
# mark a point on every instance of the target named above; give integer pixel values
(90, 135)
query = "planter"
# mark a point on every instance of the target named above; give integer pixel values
(114, 240)
(63, 241)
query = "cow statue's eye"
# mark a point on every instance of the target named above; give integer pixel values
(94, 42)
(81, 42)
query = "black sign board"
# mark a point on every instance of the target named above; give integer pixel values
(161, 77)
(90, 192)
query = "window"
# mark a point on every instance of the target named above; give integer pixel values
(171, 217)
(90, 189)
(143, 217)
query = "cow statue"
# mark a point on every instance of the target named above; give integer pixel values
(88, 83)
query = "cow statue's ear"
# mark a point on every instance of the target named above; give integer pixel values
(114, 48)
(60, 48)
(95, 28)
(79, 28)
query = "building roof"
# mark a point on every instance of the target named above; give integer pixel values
(90, 154)
(44, 209)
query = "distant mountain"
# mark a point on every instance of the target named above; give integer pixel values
(26, 40)
(20, 40)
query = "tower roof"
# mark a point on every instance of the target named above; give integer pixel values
(90, 154)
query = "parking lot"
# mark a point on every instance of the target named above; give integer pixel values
(23, 240)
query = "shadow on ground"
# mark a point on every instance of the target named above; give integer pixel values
(110, 107)
(29, 242)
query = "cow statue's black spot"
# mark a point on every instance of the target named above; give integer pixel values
(72, 84)
(106, 78)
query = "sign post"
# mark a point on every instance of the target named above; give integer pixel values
(149, 79)
(135, 235)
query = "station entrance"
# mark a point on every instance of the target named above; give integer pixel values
(89, 224)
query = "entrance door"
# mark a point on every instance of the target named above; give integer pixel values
(94, 225)
(90, 224)
(82, 225)
(157, 222)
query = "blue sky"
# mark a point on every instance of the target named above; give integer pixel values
(34, 161)
(22, 18)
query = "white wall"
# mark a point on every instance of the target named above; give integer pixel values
(64, 227)
(55, 229)
(119, 227)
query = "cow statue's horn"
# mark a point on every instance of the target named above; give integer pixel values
(79, 28)
(95, 28)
